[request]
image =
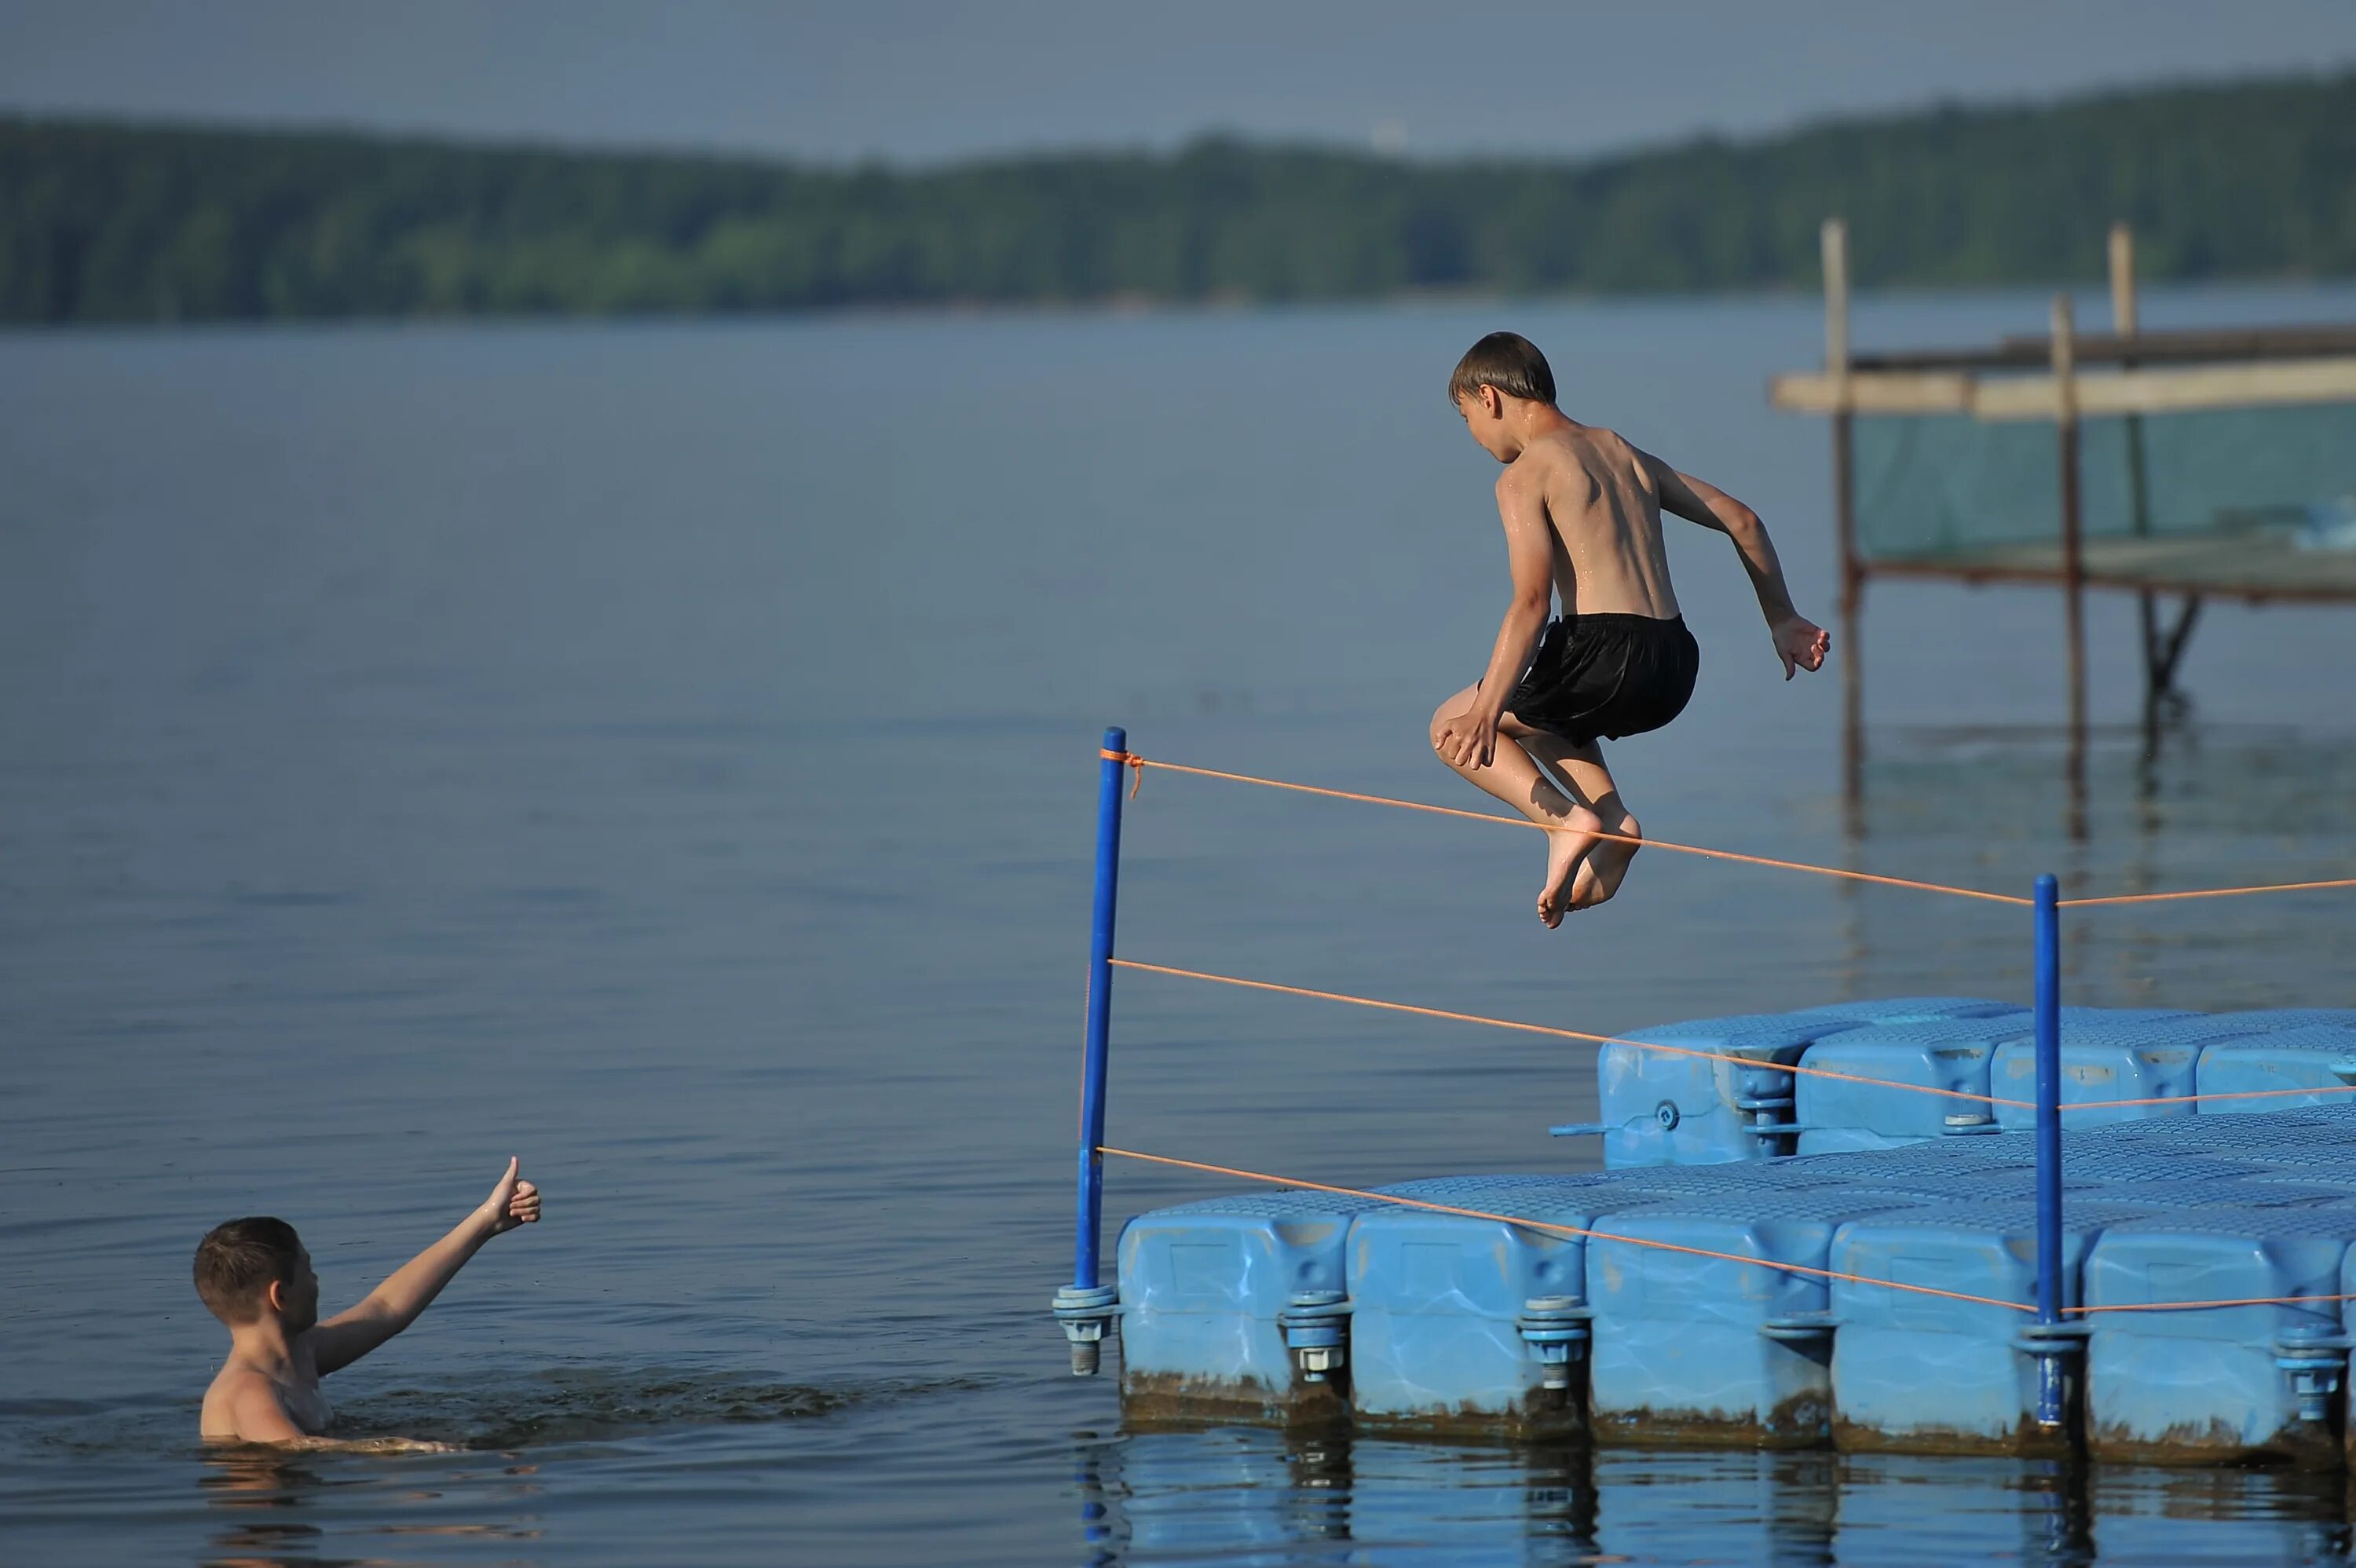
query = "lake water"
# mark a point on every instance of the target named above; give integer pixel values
(667, 752)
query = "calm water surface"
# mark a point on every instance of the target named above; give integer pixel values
(667, 752)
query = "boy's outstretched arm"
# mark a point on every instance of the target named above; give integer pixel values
(1470, 740)
(1800, 643)
(394, 1305)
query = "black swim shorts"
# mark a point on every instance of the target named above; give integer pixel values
(1607, 676)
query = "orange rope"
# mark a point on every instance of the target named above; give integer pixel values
(2236, 1094)
(1558, 1230)
(1706, 1055)
(1141, 763)
(2187, 1306)
(1576, 1034)
(2207, 893)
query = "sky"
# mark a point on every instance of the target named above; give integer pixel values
(915, 82)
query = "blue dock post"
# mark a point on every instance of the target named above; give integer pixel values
(2049, 1154)
(1084, 1307)
(2051, 1340)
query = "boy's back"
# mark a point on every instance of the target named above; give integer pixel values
(1603, 505)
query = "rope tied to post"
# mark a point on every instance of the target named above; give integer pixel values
(1135, 764)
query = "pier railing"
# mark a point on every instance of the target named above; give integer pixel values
(1087, 1306)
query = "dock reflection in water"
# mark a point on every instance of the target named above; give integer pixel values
(1247, 1495)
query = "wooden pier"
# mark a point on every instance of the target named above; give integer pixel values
(2259, 554)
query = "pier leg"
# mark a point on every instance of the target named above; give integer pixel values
(1850, 649)
(1084, 1308)
(1852, 616)
(2073, 558)
(2049, 1404)
(2122, 322)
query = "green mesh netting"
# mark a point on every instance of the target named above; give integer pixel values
(1948, 484)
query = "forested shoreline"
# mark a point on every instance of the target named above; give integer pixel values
(117, 222)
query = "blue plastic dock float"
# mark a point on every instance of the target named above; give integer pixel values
(1668, 1319)
(1205, 1288)
(1923, 1373)
(2294, 1018)
(2321, 1057)
(1441, 1317)
(2222, 1381)
(1950, 1054)
(1912, 1009)
(2115, 1058)
(1667, 1107)
(1690, 1346)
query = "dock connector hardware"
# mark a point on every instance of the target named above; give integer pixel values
(2053, 1345)
(1800, 1328)
(2315, 1360)
(1086, 1314)
(1554, 1328)
(1316, 1325)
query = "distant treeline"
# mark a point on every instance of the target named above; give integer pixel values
(103, 221)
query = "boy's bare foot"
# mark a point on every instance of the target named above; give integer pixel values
(1600, 873)
(1566, 847)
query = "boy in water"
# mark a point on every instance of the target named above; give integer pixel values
(1582, 512)
(256, 1277)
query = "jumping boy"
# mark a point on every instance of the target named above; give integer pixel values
(256, 1277)
(1582, 513)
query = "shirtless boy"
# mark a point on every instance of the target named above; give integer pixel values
(1582, 511)
(256, 1277)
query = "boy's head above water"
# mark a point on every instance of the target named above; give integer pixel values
(257, 1278)
(251, 1269)
(1496, 389)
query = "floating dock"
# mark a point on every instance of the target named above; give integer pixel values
(1860, 1226)
(1779, 1256)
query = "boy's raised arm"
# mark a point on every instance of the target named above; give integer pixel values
(1800, 643)
(394, 1305)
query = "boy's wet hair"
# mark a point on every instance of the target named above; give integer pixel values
(1507, 361)
(237, 1262)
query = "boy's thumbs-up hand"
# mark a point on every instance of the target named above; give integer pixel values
(514, 1201)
